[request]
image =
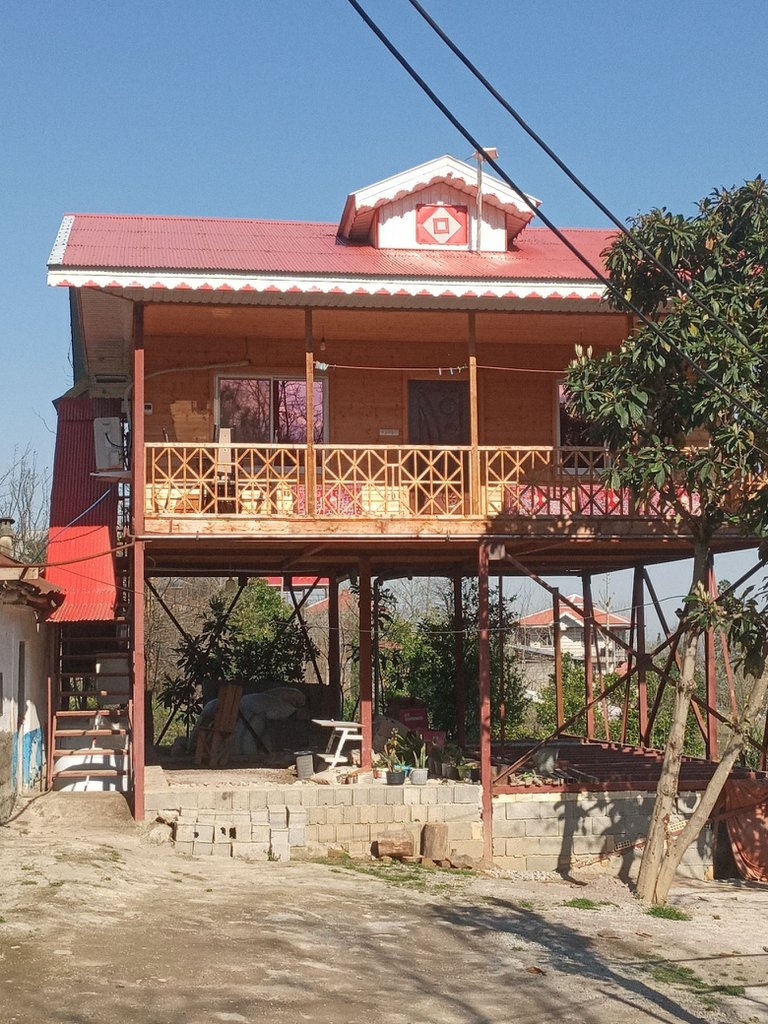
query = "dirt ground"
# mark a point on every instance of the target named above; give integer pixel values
(102, 922)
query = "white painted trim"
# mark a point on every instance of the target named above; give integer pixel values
(60, 245)
(459, 288)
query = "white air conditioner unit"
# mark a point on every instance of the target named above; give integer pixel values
(108, 441)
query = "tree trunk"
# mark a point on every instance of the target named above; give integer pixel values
(696, 822)
(666, 791)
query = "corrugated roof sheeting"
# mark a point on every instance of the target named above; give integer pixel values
(88, 575)
(83, 530)
(142, 243)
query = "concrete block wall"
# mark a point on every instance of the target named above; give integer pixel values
(308, 820)
(581, 831)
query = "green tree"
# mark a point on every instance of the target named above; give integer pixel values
(681, 407)
(427, 664)
(254, 642)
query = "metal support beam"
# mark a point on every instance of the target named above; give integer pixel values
(366, 661)
(485, 705)
(334, 647)
(460, 681)
(589, 683)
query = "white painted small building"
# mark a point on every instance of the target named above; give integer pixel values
(26, 661)
(536, 640)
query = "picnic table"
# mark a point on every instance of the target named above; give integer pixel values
(341, 733)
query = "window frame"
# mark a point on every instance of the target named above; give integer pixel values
(271, 379)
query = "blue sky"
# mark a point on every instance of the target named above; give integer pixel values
(279, 108)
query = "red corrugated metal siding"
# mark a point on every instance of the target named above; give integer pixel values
(123, 242)
(83, 531)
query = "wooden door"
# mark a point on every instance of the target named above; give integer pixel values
(438, 412)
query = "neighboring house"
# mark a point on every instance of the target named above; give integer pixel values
(379, 397)
(26, 663)
(536, 640)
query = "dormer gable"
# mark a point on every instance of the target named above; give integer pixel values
(434, 206)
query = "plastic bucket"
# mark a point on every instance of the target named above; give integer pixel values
(305, 764)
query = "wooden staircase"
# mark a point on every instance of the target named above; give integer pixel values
(89, 740)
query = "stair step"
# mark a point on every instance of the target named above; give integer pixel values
(92, 712)
(101, 773)
(90, 732)
(87, 751)
(74, 694)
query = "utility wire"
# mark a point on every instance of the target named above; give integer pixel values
(598, 274)
(669, 274)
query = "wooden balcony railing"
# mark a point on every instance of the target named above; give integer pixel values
(383, 481)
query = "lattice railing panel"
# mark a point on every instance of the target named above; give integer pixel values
(386, 481)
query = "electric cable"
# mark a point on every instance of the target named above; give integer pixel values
(669, 274)
(599, 275)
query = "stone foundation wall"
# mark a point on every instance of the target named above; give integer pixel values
(532, 832)
(317, 818)
(579, 831)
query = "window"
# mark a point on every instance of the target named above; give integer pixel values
(260, 410)
(573, 432)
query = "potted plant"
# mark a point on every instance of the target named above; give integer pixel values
(419, 771)
(391, 758)
(453, 757)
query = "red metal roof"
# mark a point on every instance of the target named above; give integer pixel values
(83, 532)
(87, 575)
(143, 243)
(601, 616)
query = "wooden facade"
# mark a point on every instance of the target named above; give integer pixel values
(361, 410)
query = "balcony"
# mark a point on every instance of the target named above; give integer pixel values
(264, 483)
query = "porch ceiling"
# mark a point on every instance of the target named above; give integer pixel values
(409, 556)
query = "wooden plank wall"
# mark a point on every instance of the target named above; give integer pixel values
(188, 346)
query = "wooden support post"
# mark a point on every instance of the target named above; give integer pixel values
(474, 428)
(334, 644)
(460, 681)
(366, 662)
(502, 676)
(310, 469)
(375, 652)
(710, 672)
(136, 585)
(589, 684)
(638, 615)
(485, 705)
(557, 640)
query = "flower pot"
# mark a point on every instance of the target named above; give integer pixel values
(379, 774)
(450, 772)
(395, 778)
(419, 776)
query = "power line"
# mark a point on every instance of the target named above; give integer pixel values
(669, 274)
(598, 274)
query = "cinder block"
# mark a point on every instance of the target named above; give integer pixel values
(542, 827)
(259, 816)
(250, 851)
(223, 799)
(275, 798)
(508, 828)
(224, 832)
(184, 833)
(297, 835)
(257, 798)
(317, 815)
(278, 817)
(468, 793)
(467, 848)
(394, 795)
(344, 833)
(241, 799)
(326, 834)
(185, 847)
(203, 833)
(203, 849)
(187, 799)
(292, 797)
(520, 809)
(260, 834)
(400, 813)
(343, 794)
(334, 814)
(222, 849)
(325, 795)
(206, 817)
(350, 814)
(308, 794)
(297, 816)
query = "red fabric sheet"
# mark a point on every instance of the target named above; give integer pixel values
(746, 815)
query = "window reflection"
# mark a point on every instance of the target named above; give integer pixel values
(265, 409)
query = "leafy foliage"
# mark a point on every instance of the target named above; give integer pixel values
(257, 645)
